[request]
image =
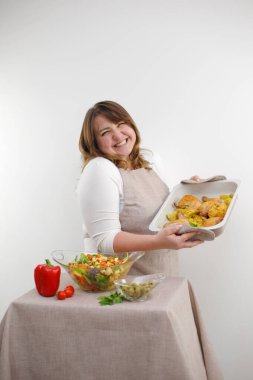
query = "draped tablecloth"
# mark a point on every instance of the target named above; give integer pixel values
(162, 338)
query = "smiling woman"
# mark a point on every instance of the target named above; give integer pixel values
(120, 191)
(108, 126)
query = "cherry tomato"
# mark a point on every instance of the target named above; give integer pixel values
(71, 288)
(68, 292)
(61, 295)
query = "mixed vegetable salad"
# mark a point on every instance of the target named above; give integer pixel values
(97, 272)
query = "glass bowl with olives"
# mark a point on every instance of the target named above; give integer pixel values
(138, 288)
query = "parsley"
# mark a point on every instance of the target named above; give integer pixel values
(110, 300)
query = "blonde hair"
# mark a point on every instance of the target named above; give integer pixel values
(88, 144)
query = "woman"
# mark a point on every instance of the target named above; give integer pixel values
(121, 190)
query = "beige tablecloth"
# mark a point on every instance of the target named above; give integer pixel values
(159, 339)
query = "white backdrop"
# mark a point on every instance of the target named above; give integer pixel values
(183, 70)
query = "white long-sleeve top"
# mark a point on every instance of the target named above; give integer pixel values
(101, 198)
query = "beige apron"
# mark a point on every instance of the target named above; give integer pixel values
(144, 193)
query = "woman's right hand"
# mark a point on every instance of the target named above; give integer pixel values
(167, 238)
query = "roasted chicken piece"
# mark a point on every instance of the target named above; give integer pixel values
(206, 199)
(213, 207)
(218, 210)
(211, 221)
(189, 201)
(224, 197)
(178, 221)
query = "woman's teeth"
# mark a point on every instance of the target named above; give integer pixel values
(121, 143)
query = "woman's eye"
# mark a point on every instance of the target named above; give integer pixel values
(103, 133)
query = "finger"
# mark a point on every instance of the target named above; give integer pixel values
(188, 235)
(195, 178)
(173, 228)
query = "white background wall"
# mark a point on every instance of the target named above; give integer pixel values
(183, 69)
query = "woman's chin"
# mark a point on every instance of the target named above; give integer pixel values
(124, 154)
(123, 151)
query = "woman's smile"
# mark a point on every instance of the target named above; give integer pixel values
(123, 142)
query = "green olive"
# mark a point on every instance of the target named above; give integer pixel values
(137, 290)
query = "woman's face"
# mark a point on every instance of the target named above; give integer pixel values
(114, 138)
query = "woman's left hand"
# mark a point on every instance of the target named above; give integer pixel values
(195, 178)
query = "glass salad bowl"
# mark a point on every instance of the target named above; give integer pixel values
(95, 272)
(138, 288)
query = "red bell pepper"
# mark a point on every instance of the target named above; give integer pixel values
(47, 278)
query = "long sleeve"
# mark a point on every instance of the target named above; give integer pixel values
(99, 192)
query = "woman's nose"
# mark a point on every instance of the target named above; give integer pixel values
(116, 134)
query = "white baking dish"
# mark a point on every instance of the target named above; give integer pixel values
(209, 189)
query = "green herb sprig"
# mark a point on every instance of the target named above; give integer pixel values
(110, 300)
